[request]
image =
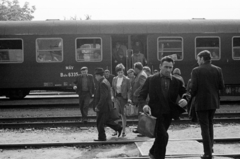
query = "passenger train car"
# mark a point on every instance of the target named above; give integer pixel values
(48, 55)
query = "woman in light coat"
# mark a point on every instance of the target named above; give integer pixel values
(121, 93)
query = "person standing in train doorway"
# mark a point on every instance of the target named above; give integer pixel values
(119, 54)
(207, 81)
(163, 90)
(138, 55)
(84, 86)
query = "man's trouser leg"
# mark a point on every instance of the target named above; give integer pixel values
(110, 123)
(81, 103)
(158, 149)
(101, 120)
(86, 106)
(205, 119)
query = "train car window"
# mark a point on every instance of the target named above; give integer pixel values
(49, 50)
(11, 50)
(88, 49)
(236, 48)
(170, 46)
(211, 44)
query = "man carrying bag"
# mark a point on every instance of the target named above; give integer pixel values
(163, 90)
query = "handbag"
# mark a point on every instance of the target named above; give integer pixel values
(146, 124)
(130, 110)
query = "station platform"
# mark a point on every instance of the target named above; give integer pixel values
(181, 149)
(174, 147)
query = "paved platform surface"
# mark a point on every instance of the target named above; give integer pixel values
(174, 147)
(178, 149)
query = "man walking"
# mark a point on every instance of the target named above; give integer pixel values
(84, 86)
(138, 82)
(163, 90)
(207, 81)
(103, 106)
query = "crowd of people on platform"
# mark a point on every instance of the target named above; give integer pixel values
(163, 93)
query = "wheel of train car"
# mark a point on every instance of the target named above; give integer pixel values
(18, 94)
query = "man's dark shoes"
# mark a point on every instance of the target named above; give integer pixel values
(119, 132)
(84, 120)
(141, 135)
(206, 156)
(100, 140)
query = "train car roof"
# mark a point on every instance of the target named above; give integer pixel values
(118, 27)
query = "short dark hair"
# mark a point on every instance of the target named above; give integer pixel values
(119, 67)
(138, 65)
(130, 71)
(167, 58)
(205, 54)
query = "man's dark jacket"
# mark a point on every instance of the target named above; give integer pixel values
(102, 98)
(157, 101)
(78, 83)
(207, 81)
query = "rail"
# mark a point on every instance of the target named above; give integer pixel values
(88, 143)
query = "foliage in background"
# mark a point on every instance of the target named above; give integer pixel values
(12, 11)
(87, 17)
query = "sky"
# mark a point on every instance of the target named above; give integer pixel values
(135, 9)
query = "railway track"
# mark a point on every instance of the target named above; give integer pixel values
(40, 103)
(63, 100)
(18, 146)
(16, 123)
(79, 118)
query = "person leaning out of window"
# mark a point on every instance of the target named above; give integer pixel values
(121, 93)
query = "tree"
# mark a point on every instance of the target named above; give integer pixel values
(12, 11)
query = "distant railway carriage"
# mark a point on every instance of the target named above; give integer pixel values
(47, 55)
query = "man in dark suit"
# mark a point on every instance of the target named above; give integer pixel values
(138, 82)
(163, 90)
(103, 106)
(84, 86)
(207, 81)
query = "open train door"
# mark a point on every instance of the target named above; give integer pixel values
(138, 51)
(126, 50)
(120, 46)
